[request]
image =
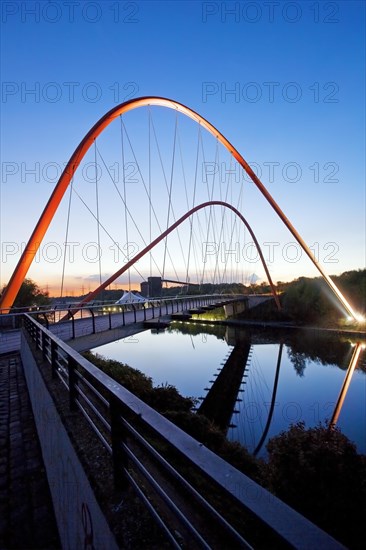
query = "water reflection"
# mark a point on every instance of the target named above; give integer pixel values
(219, 403)
(255, 383)
(273, 402)
(346, 383)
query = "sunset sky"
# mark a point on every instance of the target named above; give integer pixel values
(283, 81)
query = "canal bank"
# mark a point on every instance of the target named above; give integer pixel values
(282, 325)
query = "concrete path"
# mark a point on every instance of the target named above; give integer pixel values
(9, 341)
(27, 519)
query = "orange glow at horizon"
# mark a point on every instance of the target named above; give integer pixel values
(79, 289)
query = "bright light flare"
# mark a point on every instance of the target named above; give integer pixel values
(356, 317)
(360, 318)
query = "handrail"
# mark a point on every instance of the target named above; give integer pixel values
(123, 424)
(100, 303)
(59, 315)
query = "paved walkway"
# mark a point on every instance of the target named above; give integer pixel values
(9, 341)
(26, 512)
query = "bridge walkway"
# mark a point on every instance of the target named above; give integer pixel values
(99, 321)
(27, 517)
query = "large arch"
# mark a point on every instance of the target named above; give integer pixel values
(165, 233)
(9, 295)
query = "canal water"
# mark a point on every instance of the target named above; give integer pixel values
(281, 377)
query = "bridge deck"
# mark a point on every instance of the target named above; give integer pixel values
(80, 328)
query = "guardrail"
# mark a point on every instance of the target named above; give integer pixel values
(148, 450)
(50, 315)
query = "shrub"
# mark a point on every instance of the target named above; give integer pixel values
(167, 398)
(206, 432)
(319, 473)
(132, 379)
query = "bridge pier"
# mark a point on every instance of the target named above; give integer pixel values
(235, 308)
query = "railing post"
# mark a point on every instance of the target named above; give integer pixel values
(71, 366)
(123, 316)
(119, 457)
(110, 320)
(72, 324)
(134, 312)
(93, 320)
(39, 338)
(53, 358)
(43, 343)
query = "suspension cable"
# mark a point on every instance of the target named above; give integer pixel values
(128, 210)
(193, 200)
(150, 217)
(97, 211)
(125, 199)
(147, 193)
(66, 239)
(104, 229)
(210, 195)
(167, 188)
(170, 188)
(223, 210)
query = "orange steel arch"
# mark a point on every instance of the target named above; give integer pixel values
(44, 221)
(142, 253)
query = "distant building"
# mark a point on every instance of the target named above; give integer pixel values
(152, 288)
(144, 289)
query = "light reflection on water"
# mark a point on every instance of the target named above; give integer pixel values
(309, 379)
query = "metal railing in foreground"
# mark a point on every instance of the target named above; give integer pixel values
(147, 450)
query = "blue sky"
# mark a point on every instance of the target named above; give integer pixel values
(283, 81)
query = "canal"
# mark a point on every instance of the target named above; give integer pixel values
(255, 382)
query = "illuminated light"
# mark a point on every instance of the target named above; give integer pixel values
(360, 318)
(349, 318)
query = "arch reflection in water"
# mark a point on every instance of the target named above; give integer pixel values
(286, 377)
(346, 384)
(251, 423)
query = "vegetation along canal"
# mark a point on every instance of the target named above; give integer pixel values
(255, 383)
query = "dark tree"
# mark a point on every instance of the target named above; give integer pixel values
(30, 295)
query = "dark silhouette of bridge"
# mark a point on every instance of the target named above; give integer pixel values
(219, 403)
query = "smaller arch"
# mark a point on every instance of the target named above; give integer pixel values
(165, 233)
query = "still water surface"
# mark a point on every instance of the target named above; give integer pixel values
(309, 367)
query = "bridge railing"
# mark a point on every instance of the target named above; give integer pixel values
(173, 474)
(47, 315)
